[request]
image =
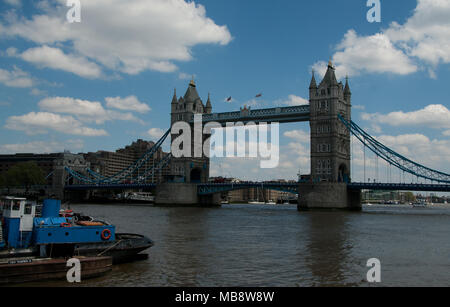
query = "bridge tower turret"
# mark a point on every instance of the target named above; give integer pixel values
(330, 140)
(190, 169)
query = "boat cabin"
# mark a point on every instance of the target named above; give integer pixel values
(17, 221)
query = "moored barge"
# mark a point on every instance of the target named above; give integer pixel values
(23, 234)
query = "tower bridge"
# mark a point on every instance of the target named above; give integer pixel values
(329, 186)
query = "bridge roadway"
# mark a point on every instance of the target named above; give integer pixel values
(212, 188)
(279, 115)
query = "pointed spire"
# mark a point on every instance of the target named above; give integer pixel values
(330, 76)
(174, 99)
(347, 87)
(208, 105)
(313, 81)
(191, 93)
(192, 83)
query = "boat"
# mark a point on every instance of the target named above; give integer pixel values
(142, 197)
(134, 197)
(59, 233)
(21, 270)
(253, 202)
(271, 202)
(420, 204)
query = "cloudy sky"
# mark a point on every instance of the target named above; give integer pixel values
(109, 80)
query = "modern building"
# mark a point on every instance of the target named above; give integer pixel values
(109, 163)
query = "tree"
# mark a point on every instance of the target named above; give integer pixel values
(25, 174)
(409, 196)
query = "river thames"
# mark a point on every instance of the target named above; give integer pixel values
(262, 245)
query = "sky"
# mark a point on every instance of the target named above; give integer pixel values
(108, 80)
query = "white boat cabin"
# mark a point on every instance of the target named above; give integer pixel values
(21, 208)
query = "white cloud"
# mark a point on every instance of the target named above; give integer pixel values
(426, 35)
(84, 110)
(130, 103)
(298, 135)
(128, 36)
(418, 147)
(433, 116)
(15, 78)
(423, 41)
(185, 76)
(55, 58)
(370, 54)
(14, 2)
(38, 92)
(155, 133)
(42, 147)
(446, 133)
(293, 100)
(39, 123)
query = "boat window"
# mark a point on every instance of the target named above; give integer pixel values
(6, 205)
(16, 206)
(27, 209)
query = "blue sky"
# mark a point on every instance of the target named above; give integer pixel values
(109, 80)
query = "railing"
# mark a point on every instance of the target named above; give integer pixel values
(296, 113)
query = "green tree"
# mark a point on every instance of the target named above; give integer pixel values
(25, 174)
(409, 196)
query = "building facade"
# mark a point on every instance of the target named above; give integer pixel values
(330, 139)
(192, 167)
(109, 163)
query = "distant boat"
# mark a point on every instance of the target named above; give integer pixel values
(271, 202)
(253, 202)
(141, 197)
(420, 205)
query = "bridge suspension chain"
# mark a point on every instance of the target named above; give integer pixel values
(394, 158)
(123, 174)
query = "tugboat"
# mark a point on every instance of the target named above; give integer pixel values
(23, 234)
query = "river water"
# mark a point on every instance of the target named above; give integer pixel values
(262, 245)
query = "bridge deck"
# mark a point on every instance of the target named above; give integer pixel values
(212, 188)
(416, 187)
(280, 115)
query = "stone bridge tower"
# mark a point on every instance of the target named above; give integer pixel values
(330, 147)
(330, 139)
(193, 168)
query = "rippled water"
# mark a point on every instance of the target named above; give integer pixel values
(248, 245)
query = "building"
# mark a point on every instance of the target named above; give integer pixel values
(330, 139)
(252, 194)
(49, 163)
(193, 166)
(53, 167)
(110, 163)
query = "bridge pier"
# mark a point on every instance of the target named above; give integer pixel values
(328, 195)
(184, 195)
